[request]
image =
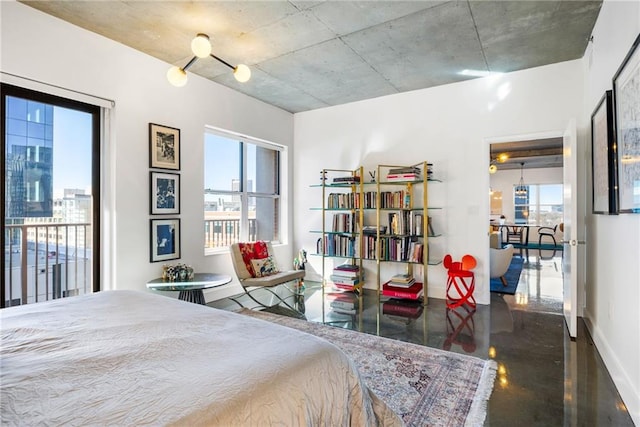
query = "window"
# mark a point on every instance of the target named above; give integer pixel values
(241, 190)
(542, 205)
(50, 196)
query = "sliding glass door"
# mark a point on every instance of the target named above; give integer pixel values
(51, 197)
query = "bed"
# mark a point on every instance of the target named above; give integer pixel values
(137, 358)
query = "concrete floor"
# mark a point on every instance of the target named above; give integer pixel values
(544, 378)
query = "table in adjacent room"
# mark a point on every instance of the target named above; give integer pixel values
(192, 290)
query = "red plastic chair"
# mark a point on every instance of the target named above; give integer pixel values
(461, 281)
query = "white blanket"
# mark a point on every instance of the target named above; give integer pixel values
(135, 358)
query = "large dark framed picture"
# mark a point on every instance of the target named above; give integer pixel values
(164, 147)
(626, 101)
(603, 157)
(165, 193)
(165, 239)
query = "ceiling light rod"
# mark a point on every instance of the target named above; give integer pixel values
(201, 47)
(223, 61)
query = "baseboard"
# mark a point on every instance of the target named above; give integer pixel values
(629, 394)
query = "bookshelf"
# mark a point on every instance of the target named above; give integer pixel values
(340, 240)
(403, 230)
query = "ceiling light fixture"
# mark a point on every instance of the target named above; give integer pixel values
(521, 189)
(493, 167)
(201, 48)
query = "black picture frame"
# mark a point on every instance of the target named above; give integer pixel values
(164, 147)
(603, 157)
(164, 193)
(626, 102)
(164, 239)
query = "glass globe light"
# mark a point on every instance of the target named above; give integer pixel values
(242, 73)
(493, 169)
(201, 46)
(177, 76)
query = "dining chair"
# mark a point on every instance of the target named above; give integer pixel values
(548, 232)
(514, 234)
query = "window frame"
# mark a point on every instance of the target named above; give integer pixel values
(243, 193)
(10, 90)
(535, 203)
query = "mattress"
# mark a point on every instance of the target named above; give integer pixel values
(136, 358)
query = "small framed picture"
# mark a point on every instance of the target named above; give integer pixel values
(626, 100)
(165, 193)
(165, 239)
(164, 147)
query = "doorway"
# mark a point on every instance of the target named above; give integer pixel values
(51, 196)
(533, 165)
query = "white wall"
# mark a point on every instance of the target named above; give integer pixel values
(40, 47)
(447, 125)
(613, 243)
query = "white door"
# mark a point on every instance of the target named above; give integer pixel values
(570, 238)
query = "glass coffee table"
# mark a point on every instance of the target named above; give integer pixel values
(192, 290)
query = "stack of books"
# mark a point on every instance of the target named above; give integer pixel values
(342, 302)
(346, 277)
(410, 173)
(393, 290)
(346, 180)
(402, 280)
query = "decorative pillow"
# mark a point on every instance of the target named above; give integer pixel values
(265, 266)
(250, 251)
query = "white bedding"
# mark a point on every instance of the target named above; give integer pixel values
(135, 358)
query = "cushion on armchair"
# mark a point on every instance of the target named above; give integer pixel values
(253, 251)
(264, 266)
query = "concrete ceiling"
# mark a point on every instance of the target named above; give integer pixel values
(306, 55)
(537, 153)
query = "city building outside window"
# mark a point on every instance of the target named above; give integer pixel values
(541, 206)
(241, 190)
(50, 186)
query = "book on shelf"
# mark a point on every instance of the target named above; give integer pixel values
(403, 285)
(416, 250)
(402, 281)
(413, 292)
(372, 229)
(405, 170)
(347, 280)
(402, 308)
(346, 180)
(347, 270)
(417, 227)
(346, 287)
(401, 278)
(404, 177)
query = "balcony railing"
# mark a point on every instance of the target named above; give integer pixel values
(220, 233)
(46, 261)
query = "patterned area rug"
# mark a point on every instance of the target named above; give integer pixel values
(425, 386)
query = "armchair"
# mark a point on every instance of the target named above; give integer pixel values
(255, 267)
(499, 261)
